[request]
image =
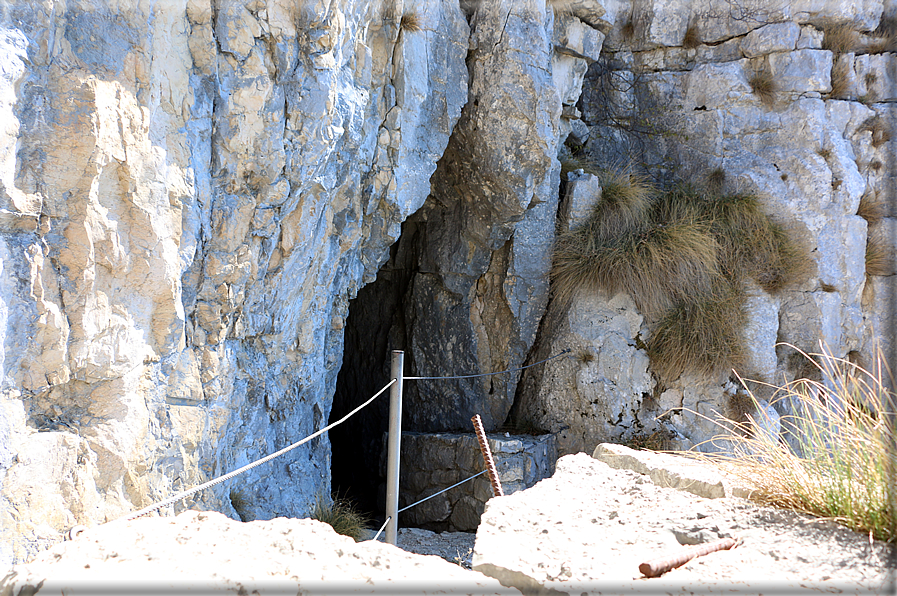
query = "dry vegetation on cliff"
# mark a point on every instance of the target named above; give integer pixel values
(684, 254)
(837, 459)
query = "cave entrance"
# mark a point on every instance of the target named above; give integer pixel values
(374, 327)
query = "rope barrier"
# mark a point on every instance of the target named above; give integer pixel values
(267, 458)
(501, 372)
(442, 491)
(380, 531)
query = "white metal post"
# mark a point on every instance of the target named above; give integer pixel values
(393, 449)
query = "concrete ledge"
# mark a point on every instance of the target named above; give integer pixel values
(670, 471)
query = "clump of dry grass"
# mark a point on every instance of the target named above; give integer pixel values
(879, 260)
(683, 255)
(700, 336)
(840, 39)
(411, 22)
(871, 207)
(765, 87)
(755, 246)
(692, 37)
(834, 456)
(628, 245)
(881, 132)
(342, 516)
(885, 36)
(627, 31)
(840, 78)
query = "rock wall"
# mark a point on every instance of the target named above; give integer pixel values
(432, 462)
(191, 195)
(676, 92)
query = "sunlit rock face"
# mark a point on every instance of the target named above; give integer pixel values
(676, 94)
(189, 197)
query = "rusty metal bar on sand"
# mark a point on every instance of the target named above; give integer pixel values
(487, 456)
(657, 567)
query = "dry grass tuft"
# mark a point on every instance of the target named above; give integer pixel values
(881, 132)
(834, 456)
(879, 258)
(342, 516)
(764, 86)
(683, 255)
(716, 179)
(411, 22)
(240, 503)
(885, 36)
(627, 31)
(840, 39)
(840, 78)
(702, 336)
(871, 207)
(692, 38)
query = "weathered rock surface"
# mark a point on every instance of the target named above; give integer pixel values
(670, 471)
(207, 551)
(187, 203)
(820, 144)
(587, 529)
(469, 277)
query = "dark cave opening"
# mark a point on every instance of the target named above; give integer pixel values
(375, 326)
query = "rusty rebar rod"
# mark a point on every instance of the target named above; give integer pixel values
(657, 567)
(487, 456)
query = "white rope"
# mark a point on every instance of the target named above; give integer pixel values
(442, 491)
(228, 476)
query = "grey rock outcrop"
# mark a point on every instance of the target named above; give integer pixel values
(189, 201)
(816, 149)
(469, 277)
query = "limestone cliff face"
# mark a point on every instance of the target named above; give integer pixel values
(193, 191)
(191, 194)
(675, 93)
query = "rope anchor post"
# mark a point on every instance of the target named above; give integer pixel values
(394, 447)
(487, 456)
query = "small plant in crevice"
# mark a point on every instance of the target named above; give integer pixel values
(684, 255)
(659, 440)
(840, 78)
(411, 22)
(342, 516)
(871, 208)
(240, 502)
(879, 129)
(716, 180)
(627, 31)
(764, 86)
(692, 37)
(879, 259)
(840, 39)
(585, 356)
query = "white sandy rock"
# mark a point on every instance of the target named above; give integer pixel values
(587, 529)
(208, 551)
